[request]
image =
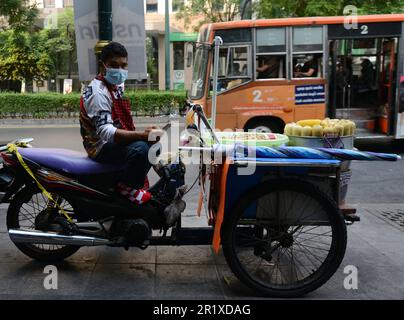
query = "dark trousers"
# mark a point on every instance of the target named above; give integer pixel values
(133, 156)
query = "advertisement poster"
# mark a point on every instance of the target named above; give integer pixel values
(67, 86)
(128, 28)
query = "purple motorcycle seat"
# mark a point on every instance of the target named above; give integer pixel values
(67, 161)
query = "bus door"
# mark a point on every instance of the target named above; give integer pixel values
(363, 73)
(387, 85)
(399, 112)
(363, 76)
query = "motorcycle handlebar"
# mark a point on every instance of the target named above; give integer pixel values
(24, 142)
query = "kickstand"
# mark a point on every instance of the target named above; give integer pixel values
(164, 233)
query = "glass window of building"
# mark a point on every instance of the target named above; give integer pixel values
(178, 48)
(68, 3)
(49, 3)
(151, 5)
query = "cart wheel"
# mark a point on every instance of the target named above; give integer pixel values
(284, 238)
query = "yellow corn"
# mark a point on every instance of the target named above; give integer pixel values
(307, 131)
(318, 131)
(289, 129)
(309, 122)
(297, 130)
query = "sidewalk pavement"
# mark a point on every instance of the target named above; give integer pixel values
(375, 247)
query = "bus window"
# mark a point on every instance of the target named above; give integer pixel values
(234, 67)
(271, 53)
(307, 52)
(307, 65)
(234, 35)
(307, 39)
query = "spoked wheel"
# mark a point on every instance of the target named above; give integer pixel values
(284, 238)
(25, 212)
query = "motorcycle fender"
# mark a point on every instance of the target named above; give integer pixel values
(9, 185)
(6, 178)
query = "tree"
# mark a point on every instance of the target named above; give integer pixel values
(22, 57)
(209, 11)
(60, 43)
(152, 65)
(30, 54)
(305, 8)
(19, 14)
(379, 6)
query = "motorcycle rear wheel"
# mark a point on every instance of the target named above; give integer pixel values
(23, 209)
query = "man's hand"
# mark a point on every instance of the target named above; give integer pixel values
(153, 134)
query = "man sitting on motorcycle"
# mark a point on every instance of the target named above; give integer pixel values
(107, 127)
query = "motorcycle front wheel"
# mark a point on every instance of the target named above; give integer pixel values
(23, 212)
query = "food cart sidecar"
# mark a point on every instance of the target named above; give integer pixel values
(275, 212)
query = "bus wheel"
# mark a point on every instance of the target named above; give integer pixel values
(265, 125)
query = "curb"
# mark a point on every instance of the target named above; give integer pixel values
(75, 121)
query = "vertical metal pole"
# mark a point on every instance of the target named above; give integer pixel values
(105, 19)
(167, 44)
(218, 43)
(70, 39)
(104, 26)
(245, 13)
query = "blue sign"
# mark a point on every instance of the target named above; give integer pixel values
(310, 94)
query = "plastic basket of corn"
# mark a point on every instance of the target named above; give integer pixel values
(327, 133)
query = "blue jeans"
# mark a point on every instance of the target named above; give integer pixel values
(133, 156)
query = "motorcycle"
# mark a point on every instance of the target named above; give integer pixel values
(60, 200)
(281, 228)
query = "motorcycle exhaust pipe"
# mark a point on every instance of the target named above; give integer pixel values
(39, 237)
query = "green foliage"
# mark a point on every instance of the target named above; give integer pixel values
(379, 6)
(211, 11)
(307, 8)
(22, 56)
(37, 55)
(152, 65)
(18, 14)
(229, 10)
(59, 42)
(45, 105)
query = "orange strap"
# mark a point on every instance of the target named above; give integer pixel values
(220, 212)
